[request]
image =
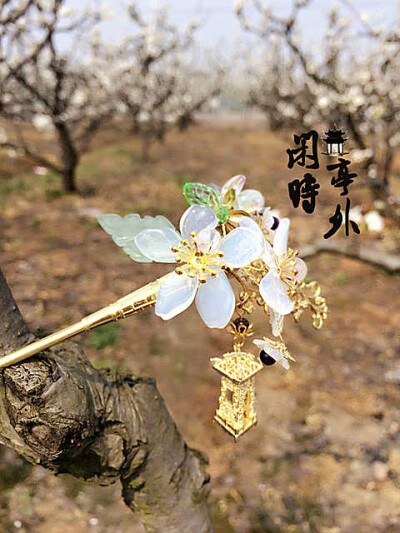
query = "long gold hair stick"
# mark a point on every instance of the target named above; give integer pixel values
(132, 304)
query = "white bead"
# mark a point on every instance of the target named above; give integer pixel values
(276, 322)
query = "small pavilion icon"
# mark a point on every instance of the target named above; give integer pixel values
(334, 140)
(236, 412)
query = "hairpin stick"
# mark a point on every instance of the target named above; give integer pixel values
(131, 304)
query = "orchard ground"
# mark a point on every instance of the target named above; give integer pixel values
(325, 455)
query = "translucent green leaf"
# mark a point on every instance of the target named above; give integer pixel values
(124, 230)
(201, 194)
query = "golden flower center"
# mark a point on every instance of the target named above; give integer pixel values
(196, 263)
(287, 268)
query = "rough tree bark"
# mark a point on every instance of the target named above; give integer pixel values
(58, 411)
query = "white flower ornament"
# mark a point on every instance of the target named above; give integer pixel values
(285, 270)
(226, 231)
(202, 255)
(248, 200)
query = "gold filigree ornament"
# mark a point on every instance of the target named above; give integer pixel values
(308, 295)
(224, 236)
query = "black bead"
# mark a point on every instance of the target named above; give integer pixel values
(266, 359)
(241, 322)
(275, 223)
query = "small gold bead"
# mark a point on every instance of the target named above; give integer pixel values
(193, 234)
(220, 253)
(202, 279)
(179, 271)
(175, 249)
(213, 274)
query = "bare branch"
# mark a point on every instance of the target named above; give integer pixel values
(389, 263)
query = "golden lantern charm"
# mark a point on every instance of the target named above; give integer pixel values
(236, 412)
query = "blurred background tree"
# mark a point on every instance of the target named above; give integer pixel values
(351, 80)
(159, 81)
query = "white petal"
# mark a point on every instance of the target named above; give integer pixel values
(268, 255)
(285, 363)
(259, 343)
(276, 323)
(236, 183)
(301, 268)
(156, 244)
(249, 223)
(241, 246)
(250, 200)
(215, 301)
(175, 295)
(273, 352)
(273, 291)
(209, 240)
(281, 237)
(196, 218)
(374, 221)
(269, 216)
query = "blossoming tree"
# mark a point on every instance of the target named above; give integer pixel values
(352, 79)
(18, 43)
(58, 93)
(161, 80)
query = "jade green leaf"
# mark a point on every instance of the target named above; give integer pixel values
(201, 194)
(123, 230)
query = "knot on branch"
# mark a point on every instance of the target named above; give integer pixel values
(52, 405)
(76, 419)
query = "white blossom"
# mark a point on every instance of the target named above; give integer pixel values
(41, 122)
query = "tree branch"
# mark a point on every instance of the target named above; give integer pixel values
(389, 263)
(36, 158)
(58, 411)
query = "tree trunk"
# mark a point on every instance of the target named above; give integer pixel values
(69, 157)
(69, 180)
(58, 411)
(146, 145)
